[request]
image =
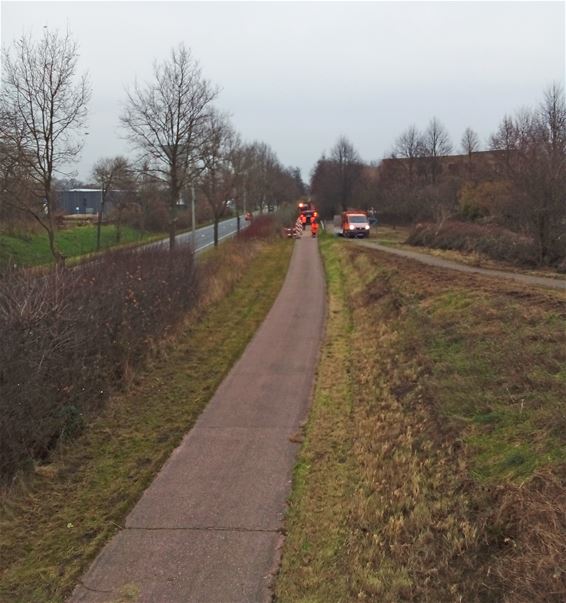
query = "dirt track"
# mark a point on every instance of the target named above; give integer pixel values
(209, 527)
(526, 279)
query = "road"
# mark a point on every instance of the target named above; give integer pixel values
(204, 235)
(208, 529)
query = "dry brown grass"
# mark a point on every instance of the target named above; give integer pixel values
(410, 528)
(455, 450)
(532, 515)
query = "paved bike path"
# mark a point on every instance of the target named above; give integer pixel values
(208, 528)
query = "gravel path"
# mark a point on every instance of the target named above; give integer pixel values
(208, 529)
(539, 281)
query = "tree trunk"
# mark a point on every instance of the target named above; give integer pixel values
(216, 219)
(172, 219)
(99, 224)
(57, 255)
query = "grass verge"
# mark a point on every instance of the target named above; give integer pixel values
(314, 564)
(54, 522)
(438, 430)
(33, 249)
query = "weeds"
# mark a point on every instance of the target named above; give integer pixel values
(454, 448)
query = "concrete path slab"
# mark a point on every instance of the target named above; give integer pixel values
(203, 488)
(166, 566)
(208, 528)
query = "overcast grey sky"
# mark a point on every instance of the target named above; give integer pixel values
(296, 75)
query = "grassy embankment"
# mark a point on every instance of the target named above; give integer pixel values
(54, 522)
(400, 237)
(434, 457)
(33, 249)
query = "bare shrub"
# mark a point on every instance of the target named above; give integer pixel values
(261, 227)
(71, 336)
(493, 241)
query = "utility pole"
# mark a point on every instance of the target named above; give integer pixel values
(193, 220)
(237, 212)
(245, 190)
(100, 212)
(237, 218)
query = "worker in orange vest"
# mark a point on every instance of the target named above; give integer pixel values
(314, 226)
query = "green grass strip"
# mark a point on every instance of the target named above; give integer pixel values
(314, 557)
(33, 249)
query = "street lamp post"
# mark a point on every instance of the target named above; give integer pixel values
(245, 191)
(193, 220)
(237, 210)
(100, 215)
(237, 218)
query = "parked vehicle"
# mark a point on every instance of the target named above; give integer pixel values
(354, 223)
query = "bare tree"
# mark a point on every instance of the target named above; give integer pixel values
(149, 199)
(46, 103)
(436, 145)
(262, 180)
(410, 147)
(261, 165)
(504, 139)
(111, 174)
(535, 163)
(348, 169)
(470, 142)
(219, 178)
(15, 179)
(165, 119)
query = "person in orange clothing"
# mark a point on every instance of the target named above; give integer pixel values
(314, 226)
(303, 220)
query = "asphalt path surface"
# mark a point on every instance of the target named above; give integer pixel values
(208, 529)
(204, 235)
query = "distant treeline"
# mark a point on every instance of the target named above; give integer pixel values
(517, 183)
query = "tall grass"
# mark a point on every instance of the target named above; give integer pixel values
(433, 467)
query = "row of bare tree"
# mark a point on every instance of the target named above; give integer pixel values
(182, 140)
(519, 181)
